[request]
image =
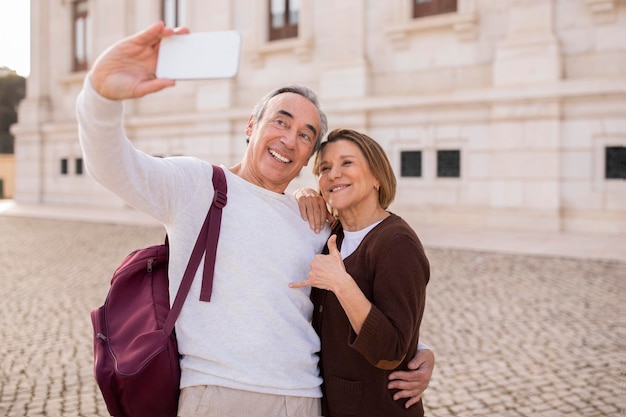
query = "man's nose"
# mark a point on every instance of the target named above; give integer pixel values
(289, 139)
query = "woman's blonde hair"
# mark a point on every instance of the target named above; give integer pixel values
(375, 157)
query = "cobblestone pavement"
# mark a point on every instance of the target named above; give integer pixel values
(514, 335)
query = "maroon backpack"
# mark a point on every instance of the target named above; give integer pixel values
(136, 360)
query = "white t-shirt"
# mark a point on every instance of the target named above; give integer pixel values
(352, 240)
(255, 334)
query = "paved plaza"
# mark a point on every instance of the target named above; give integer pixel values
(514, 334)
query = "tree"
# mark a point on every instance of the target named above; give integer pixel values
(12, 91)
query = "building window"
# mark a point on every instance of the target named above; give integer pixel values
(449, 164)
(64, 166)
(615, 162)
(423, 8)
(173, 12)
(284, 16)
(411, 163)
(80, 17)
(79, 166)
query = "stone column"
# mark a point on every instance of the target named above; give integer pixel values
(345, 73)
(530, 53)
(525, 136)
(34, 111)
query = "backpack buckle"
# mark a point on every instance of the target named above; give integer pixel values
(219, 199)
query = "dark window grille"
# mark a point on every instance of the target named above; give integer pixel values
(411, 164)
(79, 166)
(80, 19)
(423, 8)
(449, 164)
(64, 169)
(284, 16)
(615, 162)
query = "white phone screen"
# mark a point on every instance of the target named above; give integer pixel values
(201, 55)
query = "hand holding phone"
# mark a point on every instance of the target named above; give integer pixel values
(202, 55)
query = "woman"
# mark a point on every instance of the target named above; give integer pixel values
(370, 283)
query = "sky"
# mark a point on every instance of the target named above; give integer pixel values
(15, 35)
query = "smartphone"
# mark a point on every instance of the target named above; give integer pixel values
(202, 55)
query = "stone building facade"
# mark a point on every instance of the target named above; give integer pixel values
(497, 114)
(7, 175)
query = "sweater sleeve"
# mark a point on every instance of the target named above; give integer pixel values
(157, 186)
(401, 272)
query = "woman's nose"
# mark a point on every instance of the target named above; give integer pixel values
(334, 172)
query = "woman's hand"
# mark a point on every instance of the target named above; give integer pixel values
(329, 273)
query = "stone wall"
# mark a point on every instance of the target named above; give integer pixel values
(530, 92)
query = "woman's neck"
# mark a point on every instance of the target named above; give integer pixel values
(355, 220)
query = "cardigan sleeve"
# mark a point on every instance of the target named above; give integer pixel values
(401, 272)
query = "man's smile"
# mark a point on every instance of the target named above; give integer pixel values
(279, 157)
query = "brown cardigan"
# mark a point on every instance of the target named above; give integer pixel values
(392, 270)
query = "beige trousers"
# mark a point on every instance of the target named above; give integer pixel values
(213, 401)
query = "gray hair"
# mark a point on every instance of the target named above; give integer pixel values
(259, 108)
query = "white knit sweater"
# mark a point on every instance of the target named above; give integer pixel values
(255, 334)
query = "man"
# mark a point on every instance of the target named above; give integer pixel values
(251, 350)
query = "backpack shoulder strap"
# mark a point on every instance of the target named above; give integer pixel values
(213, 231)
(206, 242)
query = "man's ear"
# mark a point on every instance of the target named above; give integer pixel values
(250, 126)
